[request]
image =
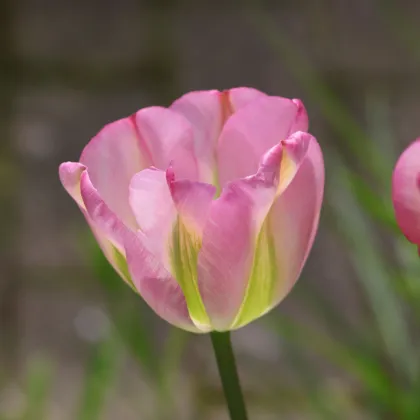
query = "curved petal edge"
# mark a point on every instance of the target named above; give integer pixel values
(406, 192)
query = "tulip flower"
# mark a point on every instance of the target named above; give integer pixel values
(406, 192)
(207, 208)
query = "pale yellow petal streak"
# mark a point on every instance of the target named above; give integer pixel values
(265, 271)
(185, 247)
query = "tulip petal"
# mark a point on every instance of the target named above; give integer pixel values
(282, 161)
(192, 201)
(171, 214)
(207, 111)
(287, 235)
(113, 156)
(242, 96)
(152, 205)
(70, 175)
(170, 139)
(301, 122)
(101, 215)
(254, 129)
(238, 263)
(153, 136)
(225, 259)
(155, 284)
(294, 219)
(406, 192)
(203, 111)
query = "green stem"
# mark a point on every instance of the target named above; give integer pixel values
(229, 375)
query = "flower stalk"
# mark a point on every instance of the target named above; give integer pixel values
(229, 375)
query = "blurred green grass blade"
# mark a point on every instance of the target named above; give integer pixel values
(173, 350)
(371, 269)
(377, 201)
(168, 369)
(321, 408)
(322, 310)
(373, 202)
(137, 338)
(101, 373)
(39, 377)
(378, 117)
(359, 364)
(408, 284)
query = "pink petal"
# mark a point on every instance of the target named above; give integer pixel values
(301, 122)
(225, 259)
(171, 214)
(157, 287)
(170, 139)
(237, 219)
(251, 131)
(296, 147)
(153, 136)
(294, 218)
(152, 205)
(113, 156)
(157, 200)
(241, 96)
(203, 111)
(192, 201)
(406, 192)
(70, 175)
(207, 111)
(101, 215)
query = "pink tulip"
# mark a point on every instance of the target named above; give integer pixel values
(406, 192)
(208, 208)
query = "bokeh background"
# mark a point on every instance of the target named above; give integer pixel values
(75, 342)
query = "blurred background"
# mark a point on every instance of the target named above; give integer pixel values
(75, 342)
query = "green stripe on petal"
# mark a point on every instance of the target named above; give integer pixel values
(264, 274)
(121, 266)
(184, 256)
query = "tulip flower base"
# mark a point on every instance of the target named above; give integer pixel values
(229, 375)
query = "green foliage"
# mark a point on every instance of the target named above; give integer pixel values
(37, 389)
(100, 375)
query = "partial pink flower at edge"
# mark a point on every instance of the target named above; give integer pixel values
(406, 192)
